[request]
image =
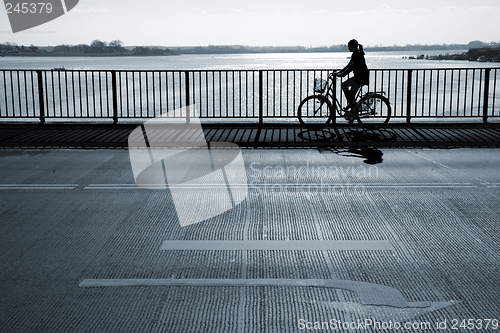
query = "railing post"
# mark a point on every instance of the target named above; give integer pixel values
(188, 115)
(408, 97)
(334, 87)
(40, 97)
(261, 99)
(115, 97)
(486, 94)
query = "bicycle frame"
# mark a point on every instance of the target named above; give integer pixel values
(331, 87)
(371, 105)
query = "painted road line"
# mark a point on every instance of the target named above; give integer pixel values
(112, 186)
(363, 185)
(152, 186)
(287, 185)
(419, 185)
(410, 185)
(369, 293)
(38, 186)
(278, 245)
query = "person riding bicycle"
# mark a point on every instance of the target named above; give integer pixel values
(361, 76)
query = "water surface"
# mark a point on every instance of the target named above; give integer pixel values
(327, 60)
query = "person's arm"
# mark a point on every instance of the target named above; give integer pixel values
(347, 69)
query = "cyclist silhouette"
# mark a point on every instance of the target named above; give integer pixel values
(360, 78)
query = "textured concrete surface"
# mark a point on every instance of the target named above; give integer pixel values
(69, 216)
(438, 134)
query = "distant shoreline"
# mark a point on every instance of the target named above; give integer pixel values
(83, 55)
(116, 49)
(110, 55)
(480, 54)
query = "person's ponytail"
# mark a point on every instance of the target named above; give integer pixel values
(361, 48)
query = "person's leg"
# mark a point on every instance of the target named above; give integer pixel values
(350, 88)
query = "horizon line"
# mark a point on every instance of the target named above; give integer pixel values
(276, 46)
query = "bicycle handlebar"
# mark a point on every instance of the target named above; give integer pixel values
(334, 74)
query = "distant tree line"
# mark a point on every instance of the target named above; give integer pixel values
(238, 49)
(116, 47)
(419, 47)
(12, 47)
(98, 47)
(232, 49)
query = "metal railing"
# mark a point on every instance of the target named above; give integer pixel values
(234, 94)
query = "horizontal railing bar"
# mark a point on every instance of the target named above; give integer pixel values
(242, 70)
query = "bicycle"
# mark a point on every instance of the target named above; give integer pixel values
(372, 109)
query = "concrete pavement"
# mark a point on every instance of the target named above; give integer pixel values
(83, 249)
(439, 134)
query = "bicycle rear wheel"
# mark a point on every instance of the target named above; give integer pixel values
(315, 112)
(374, 111)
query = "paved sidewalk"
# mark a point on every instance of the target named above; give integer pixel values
(394, 135)
(324, 236)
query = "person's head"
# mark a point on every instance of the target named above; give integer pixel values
(352, 45)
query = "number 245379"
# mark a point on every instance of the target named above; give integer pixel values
(27, 7)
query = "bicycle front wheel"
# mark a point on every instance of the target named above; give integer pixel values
(315, 112)
(374, 111)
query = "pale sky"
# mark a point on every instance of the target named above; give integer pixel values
(266, 22)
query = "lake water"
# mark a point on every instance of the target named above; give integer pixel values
(375, 60)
